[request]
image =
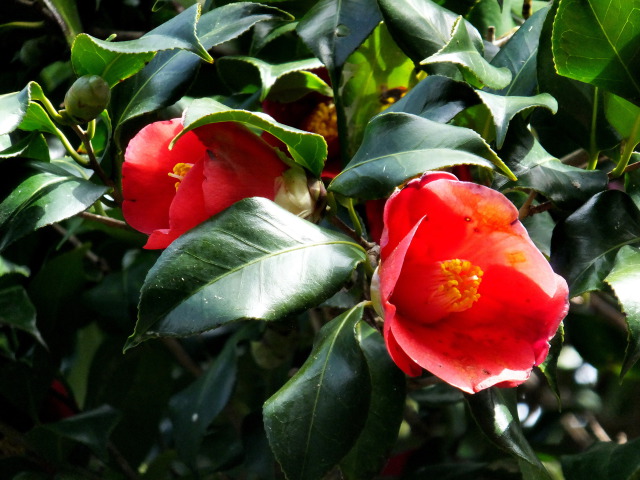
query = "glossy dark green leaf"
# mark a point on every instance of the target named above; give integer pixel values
(437, 98)
(380, 432)
(333, 29)
(91, 428)
(17, 311)
(313, 421)
(566, 186)
(520, 54)
(422, 27)
(268, 73)
(487, 13)
(632, 181)
(116, 61)
(550, 365)
(585, 245)
(494, 410)
(376, 74)
(20, 111)
(504, 108)
(462, 52)
(624, 278)
(596, 41)
(193, 409)
(42, 199)
(33, 146)
(580, 121)
(65, 13)
(168, 75)
(398, 146)
(297, 84)
(604, 461)
(254, 260)
(307, 149)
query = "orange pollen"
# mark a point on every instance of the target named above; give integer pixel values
(180, 170)
(323, 121)
(458, 285)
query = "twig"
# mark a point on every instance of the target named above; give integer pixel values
(526, 206)
(111, 222)
(75, 241)
(543, 207)
(182, 356)
(351, 232)
(122, 462)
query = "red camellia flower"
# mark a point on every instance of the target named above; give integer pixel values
(167, 192)
(465, 293)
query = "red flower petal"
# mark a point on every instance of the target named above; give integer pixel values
(239, 164)
(147, 188)
(466, 293)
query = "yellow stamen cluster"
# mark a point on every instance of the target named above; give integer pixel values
(323, 121)
(458, 288)
(180, 170)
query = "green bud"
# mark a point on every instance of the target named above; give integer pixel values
(87, 98)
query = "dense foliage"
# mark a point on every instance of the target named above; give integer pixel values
(258, 344)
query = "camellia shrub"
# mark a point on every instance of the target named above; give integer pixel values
(306, 240)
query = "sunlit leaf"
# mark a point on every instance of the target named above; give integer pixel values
(255, 260)
(624, 278)
(116, 61)
(585, 245)
(398, 146)
(494, 411)
(307, 149)
(315, 418)
(624, 116)
(598, 42)
(461, 51)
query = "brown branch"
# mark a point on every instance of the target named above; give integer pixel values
(111, 222)
(526, 206)
(351, 232)
(181, 356)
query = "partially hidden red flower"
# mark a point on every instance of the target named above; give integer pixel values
(167, 192)
(466, 294)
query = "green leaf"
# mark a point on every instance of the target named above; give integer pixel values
(461, 51)
(550, 365)
(91, 428)
(333, 29)
(504, 108)
(17, 311)
(315, 418)
(65, 13)
(624, 116)
(193, 409)
(598, 42)
(437, 98)
(566, 186)
(307, 149)
(494, 410)
(116, 61)
(295, 85)
(422, 27)
(624, 278)
(632, 181)
(269, 73)
(372, 75)
(33, 146)
(254, 260)
(585, 245)
(487, 13)
(42, 199)
(399, 146)
(20, 111)
(388, 391)
(604, 461)
(520, 54)
(7, 268)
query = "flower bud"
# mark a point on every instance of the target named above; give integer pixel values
(296, 194)
(87, 98)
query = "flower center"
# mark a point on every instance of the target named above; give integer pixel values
(180, 170)
(323, 121)
(458, 284)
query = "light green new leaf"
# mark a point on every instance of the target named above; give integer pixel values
(7, 267)
(503, 109)
(625, 281)
(44, 198)
(399, 146)
(19, 111)
(269, 73)
(461, 51)
(598, 42)
(307, 149)
(254, 260)
(315, 418)
(333, 29)
(116, 61)
(17, 310)
(624, 116)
